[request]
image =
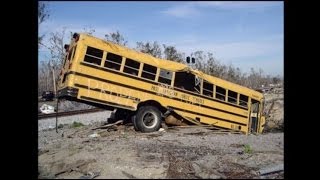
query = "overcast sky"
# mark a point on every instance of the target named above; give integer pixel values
(246, 34)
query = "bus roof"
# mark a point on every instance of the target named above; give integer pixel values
(167, 64)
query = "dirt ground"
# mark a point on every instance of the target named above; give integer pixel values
(190, 152)
(187, 153)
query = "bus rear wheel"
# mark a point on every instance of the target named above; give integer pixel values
(148, 119)
(134, 122)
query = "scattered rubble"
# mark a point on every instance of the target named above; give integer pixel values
(274, 110)
(196, 152)
(47, 109)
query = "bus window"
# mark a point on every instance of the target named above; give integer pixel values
(207, 88)
(187, 81)
(149, 72)
(232, 97)
(113, 61)
(243, 100)
(93, 55)
(220, 93)
(131, 67)
(165, 76)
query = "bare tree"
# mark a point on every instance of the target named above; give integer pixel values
(200, 60)
(89, 30)
(56, 47)
(43, 15)
(116, 38)
(154, 49)
(53, 64)
(43, 12)
(171, 53)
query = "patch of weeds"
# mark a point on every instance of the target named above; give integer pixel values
(247, 149)
(60, 126)
(76, 124)
(125, 135)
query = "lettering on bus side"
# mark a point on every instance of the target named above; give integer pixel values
(185, 97)
(164, 90)
(191, 99)
(198, 100)
(109, 92)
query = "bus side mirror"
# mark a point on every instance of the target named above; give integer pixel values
(188, 59)
(193, 60)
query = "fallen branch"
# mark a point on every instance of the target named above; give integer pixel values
(74, 166)
(128, 175)
(108, 125)
(69, 169)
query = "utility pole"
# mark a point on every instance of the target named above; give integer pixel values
(54, 80)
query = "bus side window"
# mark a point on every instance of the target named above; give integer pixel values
(232, 97)
(207, 89)
(93, 55)
(243, 100)
(220, 93)
(165, 76)
(187, 81)
(113, 61)
(149, 72)
(131, 67)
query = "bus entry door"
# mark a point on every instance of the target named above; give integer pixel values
(254, 116)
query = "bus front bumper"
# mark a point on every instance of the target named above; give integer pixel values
(67, 92)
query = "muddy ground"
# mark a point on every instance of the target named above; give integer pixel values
(121, 152)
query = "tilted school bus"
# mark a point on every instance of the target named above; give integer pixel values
(150, 89)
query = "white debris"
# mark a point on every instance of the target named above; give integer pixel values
(94, 135)
(47, 109)
(161, 129)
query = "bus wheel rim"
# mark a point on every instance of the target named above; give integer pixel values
(149, 120)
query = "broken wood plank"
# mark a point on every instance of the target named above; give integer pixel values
(128, 175)
(271, 169)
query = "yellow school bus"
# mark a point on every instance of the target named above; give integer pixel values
(150, 90)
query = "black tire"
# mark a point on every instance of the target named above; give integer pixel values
(120, 114)
(134, 122)
(148, 119)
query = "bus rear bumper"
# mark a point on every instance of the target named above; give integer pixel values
(68, 92)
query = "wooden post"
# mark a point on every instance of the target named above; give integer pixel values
(54, 82)
(53, 78)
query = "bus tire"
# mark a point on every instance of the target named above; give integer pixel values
(134, 122)
(148, 119)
